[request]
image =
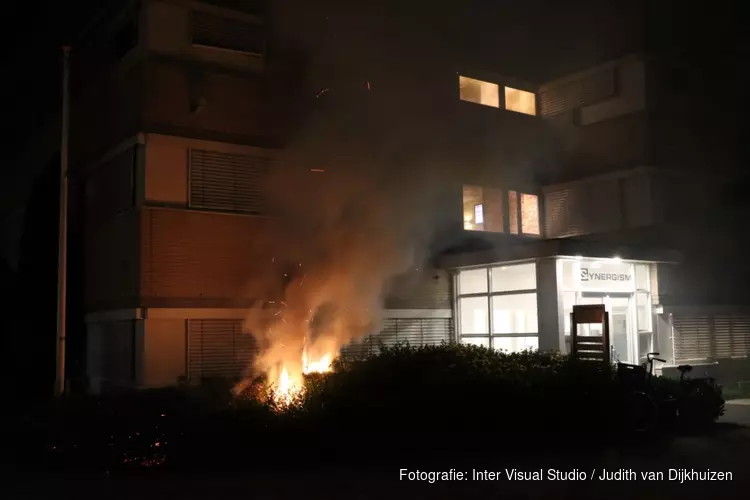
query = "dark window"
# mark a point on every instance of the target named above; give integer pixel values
(216, 31)
(227, 182)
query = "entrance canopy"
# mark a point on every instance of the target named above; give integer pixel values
(570, 247)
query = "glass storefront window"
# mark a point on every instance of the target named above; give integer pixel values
(512, 278)
(474, 315)
(514, 313)
(472, 281)
(512, 316)
(645, 345)
(569, 300)
(480, 341)
(643, 308)
(642, 281)
(515, 344)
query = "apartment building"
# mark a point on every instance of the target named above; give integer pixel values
(169, 145)
(558, 189)
(631, 182)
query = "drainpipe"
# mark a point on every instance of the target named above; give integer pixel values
(62, 242)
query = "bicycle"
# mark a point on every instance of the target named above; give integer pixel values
(642, 403)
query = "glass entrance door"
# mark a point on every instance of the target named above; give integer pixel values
(620, 323)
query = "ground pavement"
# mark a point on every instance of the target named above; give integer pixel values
(726, 450)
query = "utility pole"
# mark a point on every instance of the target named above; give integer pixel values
(62, 241)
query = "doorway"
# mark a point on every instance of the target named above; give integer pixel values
(621, 323)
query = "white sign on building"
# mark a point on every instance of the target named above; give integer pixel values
(598, 276)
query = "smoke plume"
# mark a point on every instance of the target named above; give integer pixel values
(355, 205)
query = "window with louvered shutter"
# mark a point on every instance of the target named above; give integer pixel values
(597, 87)
(560, 99)
(711, 337)
(211, 30)
(692, 337)
(568, 96)
(218, 348)
(731, 336)
(415, 331)
(229, 182)
(560, 207)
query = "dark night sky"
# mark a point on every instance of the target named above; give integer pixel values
(32, 58)
(709, 36)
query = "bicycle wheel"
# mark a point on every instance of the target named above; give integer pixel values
(641, 411)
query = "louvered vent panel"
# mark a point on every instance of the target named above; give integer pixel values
(415, 331)
(566, 97)
(732, 336)
(692, 337)
(221, 32)
(597, 87)
(222, 181)
(555, 216)
(560, 99)
(218, 348)
(563, 213)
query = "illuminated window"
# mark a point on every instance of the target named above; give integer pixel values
(523, 212)
(479, 92)
(503, 316)
(529, 214)
(482, 209)
(479, 214)
(520, 101)
(513, 212)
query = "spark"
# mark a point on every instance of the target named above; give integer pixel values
(323, 91)
(273, 259)
(317, 170)
(368, 85)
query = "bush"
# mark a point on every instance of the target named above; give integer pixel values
(438, 395)
(425, 399)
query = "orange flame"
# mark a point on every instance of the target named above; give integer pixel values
(288, 386)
